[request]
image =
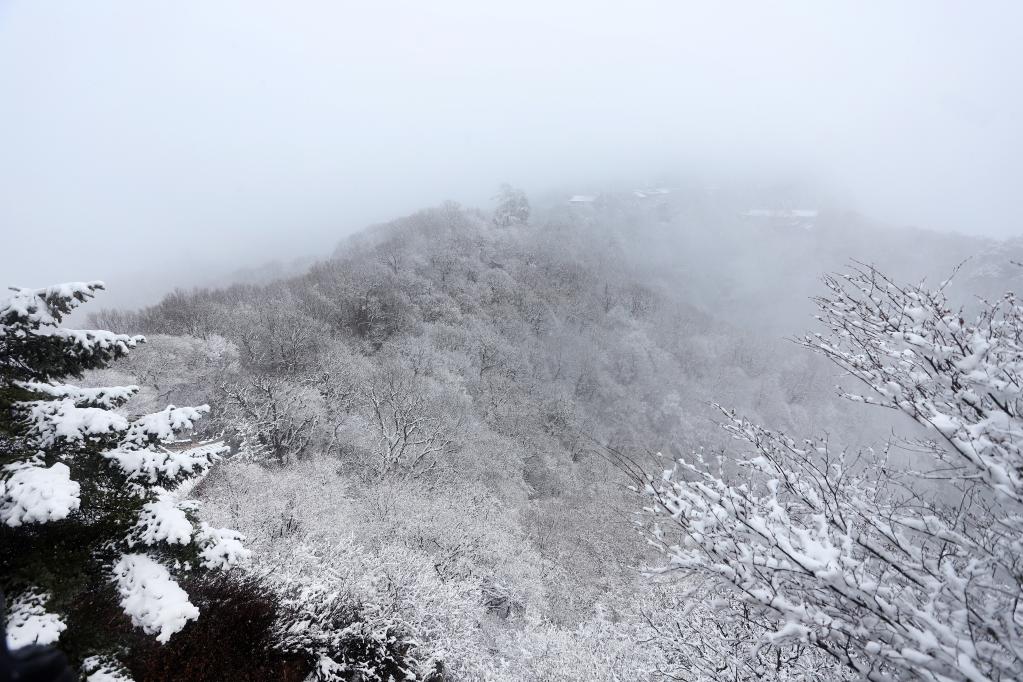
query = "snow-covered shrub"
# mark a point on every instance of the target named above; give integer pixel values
(409, 566)
(895, 574)
(595, 649)
(87, 501)
(347, 640)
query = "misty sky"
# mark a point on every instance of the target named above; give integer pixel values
(167, 139)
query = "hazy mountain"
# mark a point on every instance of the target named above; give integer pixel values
(460, 390)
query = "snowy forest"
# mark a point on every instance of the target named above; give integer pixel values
(563, 341)
(518, 444)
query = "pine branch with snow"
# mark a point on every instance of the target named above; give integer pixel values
(87, 493)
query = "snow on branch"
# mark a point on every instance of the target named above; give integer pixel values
(85, 342)
(163, 520)
(104, 669)
(165, 424)
(34, 494)
(107, 397)
(836, 556)
(28, 621)
(46, 306)
(159, 464)
(151, 597)
(34, 347)
(895, 574)
(53, 421)
(915, 353)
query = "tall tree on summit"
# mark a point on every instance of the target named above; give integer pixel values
(512, 207)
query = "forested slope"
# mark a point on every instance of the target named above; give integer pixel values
(429, 420)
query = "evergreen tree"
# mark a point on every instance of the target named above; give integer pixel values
(91, 530)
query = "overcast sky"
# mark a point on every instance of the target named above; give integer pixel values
(185, 137)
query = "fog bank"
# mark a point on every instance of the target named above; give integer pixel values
(192, 138)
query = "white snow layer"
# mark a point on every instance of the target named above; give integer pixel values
(151, 597)
(107, 676)
(28, 622)
(163, 521)
(165, 424)
(32, 304)
(104, 669)
(221, 547)
(150, 464)
(34, 494)
(53, 420)
(107, 397)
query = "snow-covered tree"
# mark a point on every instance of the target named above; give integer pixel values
(89, 510)
(273, 417)
(512, 207)
(909, 572)
(412, 429)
